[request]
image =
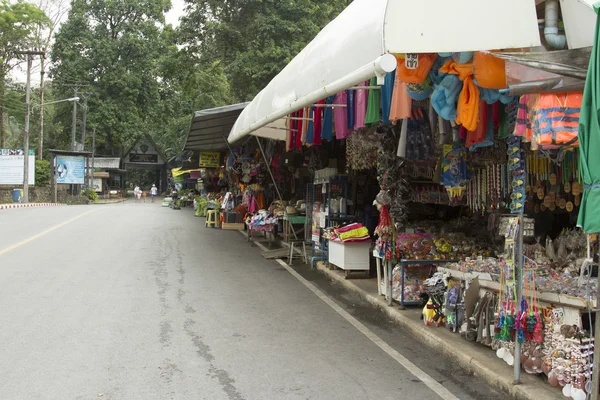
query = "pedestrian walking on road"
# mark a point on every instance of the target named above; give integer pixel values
(153, 192)
(137, 192)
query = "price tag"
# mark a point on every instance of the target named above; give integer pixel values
(411, 61)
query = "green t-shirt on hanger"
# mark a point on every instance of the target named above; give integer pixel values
(373, 116)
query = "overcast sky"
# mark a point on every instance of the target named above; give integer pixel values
(172, 17)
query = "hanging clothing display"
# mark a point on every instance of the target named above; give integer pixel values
(299, 125)
(327, 130)
(339, 115)
(310, 132)
(318, 123)
(305, 113)
(360, 106)
(386, 97)
(478, 135)
(468, 101)
(374, 105)
(350, 109)
(401, 105)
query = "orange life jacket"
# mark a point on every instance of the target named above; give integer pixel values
(556, 119)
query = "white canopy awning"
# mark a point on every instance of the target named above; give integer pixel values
(358, 44)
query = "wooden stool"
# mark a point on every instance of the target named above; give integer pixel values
(212, 218)
(303, 255)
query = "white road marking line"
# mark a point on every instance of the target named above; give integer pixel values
(47, 231)
(431, 383)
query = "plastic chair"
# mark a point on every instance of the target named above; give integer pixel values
(212, 218)
(303, 255)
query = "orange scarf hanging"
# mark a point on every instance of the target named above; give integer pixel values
(468, 101)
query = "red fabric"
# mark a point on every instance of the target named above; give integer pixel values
(318, 123)
(300, 114)
(478, 135)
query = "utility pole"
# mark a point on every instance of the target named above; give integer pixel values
(29, 54)
(91, 184)
(74, 122)
(41, 137)
(84, 120)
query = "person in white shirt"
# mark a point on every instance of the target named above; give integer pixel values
(137, 192)
(153, 191)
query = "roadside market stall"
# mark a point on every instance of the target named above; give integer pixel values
(473, 142)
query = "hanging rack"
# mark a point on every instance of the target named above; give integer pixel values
(329, 105)
(298, 119)
(365, 88)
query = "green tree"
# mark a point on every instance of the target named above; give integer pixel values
(253, 40)
(19, 22)
(113, 47)
(140, 80)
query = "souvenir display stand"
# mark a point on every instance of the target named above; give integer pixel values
(326, 210)
(408, 265)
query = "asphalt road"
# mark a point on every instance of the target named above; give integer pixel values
(134, 301)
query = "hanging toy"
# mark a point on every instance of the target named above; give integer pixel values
(538, 329)
(454, 171)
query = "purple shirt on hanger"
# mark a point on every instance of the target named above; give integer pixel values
(339, 116)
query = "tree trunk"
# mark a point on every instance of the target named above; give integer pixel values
(41, 136)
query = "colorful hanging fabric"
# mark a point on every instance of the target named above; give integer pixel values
(401, 102)
(350, 109)
(360, 106)
(445, 96)
(294, 130)
(299, 126)
(289, 137)
(373, 106)
(318, 121)
(339, 116)
(310, 132)
(327, 130)
(386, 96)
(305, 113)
(487, 121)
(468, 100)
(523, 123)
(478, 135)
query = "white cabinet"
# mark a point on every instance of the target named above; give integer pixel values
(350, 256)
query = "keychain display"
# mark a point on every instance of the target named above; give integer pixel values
(454, 171)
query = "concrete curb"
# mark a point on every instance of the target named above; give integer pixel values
(494, 372)
(28, 205)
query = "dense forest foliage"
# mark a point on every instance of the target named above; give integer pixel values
(141, 75)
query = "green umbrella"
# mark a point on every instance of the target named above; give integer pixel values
(589, 141)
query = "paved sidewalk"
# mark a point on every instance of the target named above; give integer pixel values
(477, 359)
(28, 205)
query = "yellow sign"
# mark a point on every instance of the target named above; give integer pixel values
(210, 160)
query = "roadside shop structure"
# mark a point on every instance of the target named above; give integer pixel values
(145, 154)
(107, 174)
(447, 162)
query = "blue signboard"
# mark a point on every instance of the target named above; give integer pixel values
(70, 170)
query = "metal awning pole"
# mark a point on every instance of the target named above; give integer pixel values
(519, 290)
(268, 164)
